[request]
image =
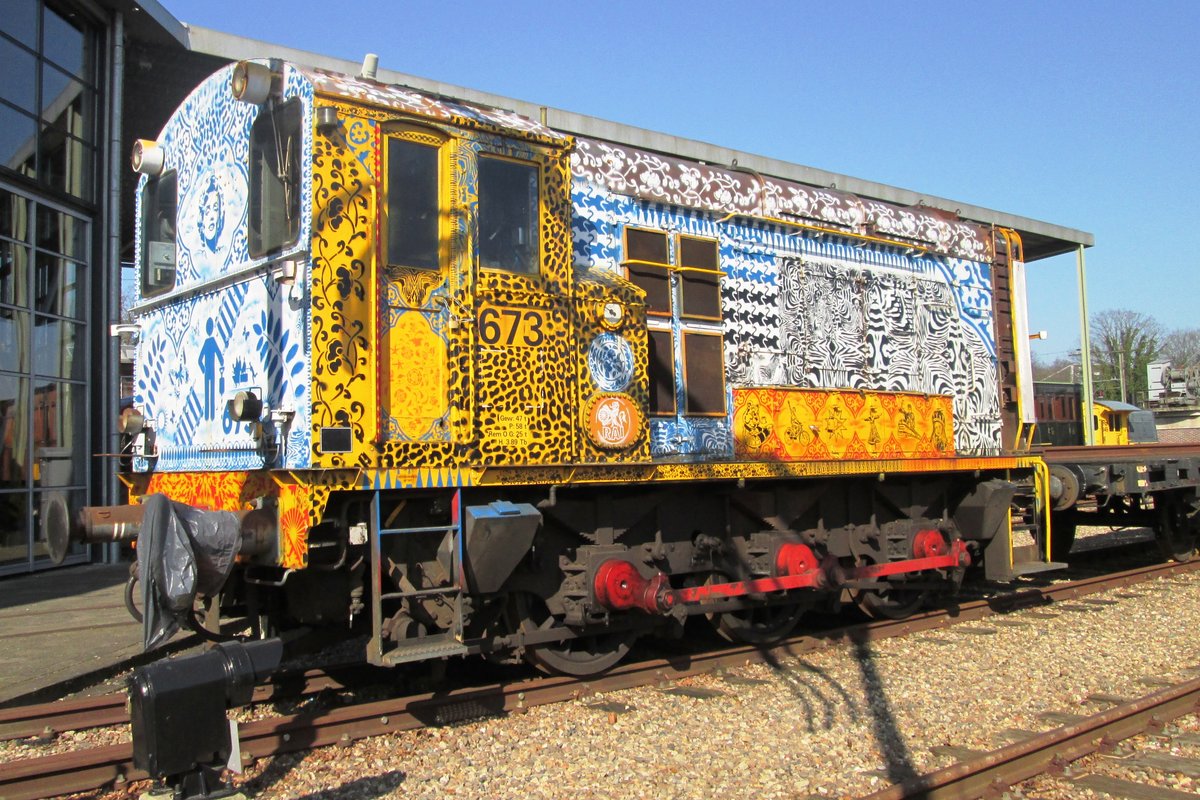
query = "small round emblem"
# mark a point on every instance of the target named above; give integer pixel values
(611, 315)
(610, 360)
(613, 421)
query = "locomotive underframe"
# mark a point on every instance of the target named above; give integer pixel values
(430, 583)
(1161, 492)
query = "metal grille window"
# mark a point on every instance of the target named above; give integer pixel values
(647, 264)
(700, 280)
(681, 277)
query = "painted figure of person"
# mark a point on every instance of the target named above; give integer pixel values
(908, 422)
(212, 218)
(210, 360)
(938, 437)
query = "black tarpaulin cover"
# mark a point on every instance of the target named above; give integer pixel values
(182, 551)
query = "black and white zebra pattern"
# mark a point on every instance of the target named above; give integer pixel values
(843, 327)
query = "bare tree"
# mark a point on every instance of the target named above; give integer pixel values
(1060, 370)
(1123, 343)
(1182, 348)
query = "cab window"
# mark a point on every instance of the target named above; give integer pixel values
(509, 235)
(159, 202)
(274, 212)
(412, 204)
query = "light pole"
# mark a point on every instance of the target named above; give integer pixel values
(1085, 350)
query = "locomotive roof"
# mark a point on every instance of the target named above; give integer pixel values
(1040, 239)
(403, 98)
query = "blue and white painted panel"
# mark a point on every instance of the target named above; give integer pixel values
(818, 311)
(194, 355)
(206, 144)
(228, 324)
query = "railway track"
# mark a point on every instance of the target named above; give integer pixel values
(991, 773)
(97, 767)
(111, 708)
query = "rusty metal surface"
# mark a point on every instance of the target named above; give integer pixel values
(76, 714)
(66, 715)
(1117, 453)
(90, 769)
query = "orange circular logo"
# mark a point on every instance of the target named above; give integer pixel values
(613, 421)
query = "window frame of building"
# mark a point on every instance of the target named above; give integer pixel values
(45, 426)
(61, 146)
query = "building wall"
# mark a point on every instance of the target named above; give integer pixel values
(51, 168)
(1178, 426)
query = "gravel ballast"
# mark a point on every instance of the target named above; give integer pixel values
(836, 723)
(839, 722)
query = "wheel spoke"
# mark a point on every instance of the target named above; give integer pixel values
(587, 654)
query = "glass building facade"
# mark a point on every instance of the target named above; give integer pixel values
(50, 103)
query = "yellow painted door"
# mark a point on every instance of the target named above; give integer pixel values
(419, 255)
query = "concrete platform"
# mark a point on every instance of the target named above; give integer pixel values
(63, 629)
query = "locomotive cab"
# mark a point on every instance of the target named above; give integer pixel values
(1118, 423)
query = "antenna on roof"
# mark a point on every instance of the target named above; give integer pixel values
(370, 66)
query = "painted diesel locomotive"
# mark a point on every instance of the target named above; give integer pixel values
(476, 386)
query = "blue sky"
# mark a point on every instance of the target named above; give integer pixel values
(1081, 114)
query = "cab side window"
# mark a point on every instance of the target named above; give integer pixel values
(274, 213)
(509, 233)
(412, 204)
(160, 199)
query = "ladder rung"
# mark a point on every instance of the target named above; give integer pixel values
(421, 649)
(429, 529)
(420, 593)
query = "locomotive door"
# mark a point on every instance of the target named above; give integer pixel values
(523, 363)
(420, 275)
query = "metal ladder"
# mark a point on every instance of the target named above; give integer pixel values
(439, 645)
(1004, 559)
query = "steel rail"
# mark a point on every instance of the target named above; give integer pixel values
(1049, 752)
(81, 713)
(47, 719)
(90, 769)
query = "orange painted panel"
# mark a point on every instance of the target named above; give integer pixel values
(784, 424)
